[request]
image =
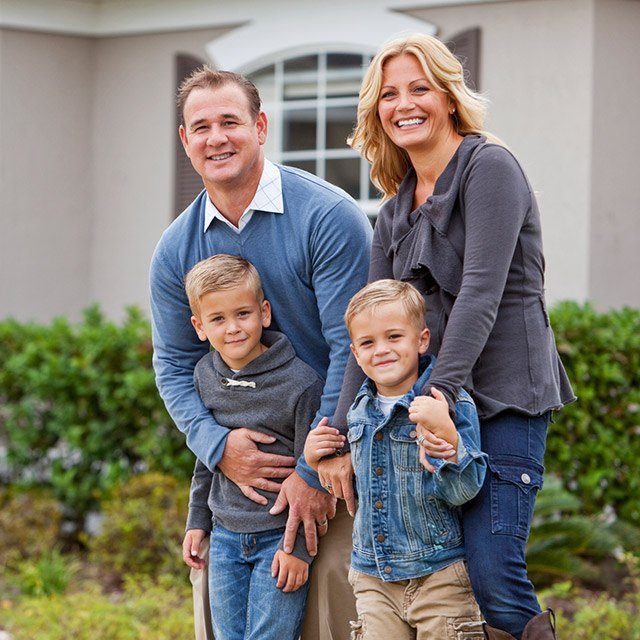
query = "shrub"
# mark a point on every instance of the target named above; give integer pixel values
(80, 410)
(594, 444)
(143, 527)
(30, 526)
(49, 574)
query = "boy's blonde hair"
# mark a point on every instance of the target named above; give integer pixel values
(220, 273)
(375, 294)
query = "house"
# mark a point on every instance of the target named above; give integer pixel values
(91, 170)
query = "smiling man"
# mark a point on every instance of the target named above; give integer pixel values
(310, 244)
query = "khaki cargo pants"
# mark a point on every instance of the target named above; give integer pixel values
(440, 606)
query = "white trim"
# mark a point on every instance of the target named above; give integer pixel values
(305, 28)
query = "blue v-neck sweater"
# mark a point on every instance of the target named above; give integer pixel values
(312, 258)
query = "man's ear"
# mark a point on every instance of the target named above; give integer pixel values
(423, 343)
(266, 313)
(183, 138)
(262, 126)
(197, 325)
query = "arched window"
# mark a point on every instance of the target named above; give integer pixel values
(311, 101)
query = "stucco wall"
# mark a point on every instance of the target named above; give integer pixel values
(615, 193)
(45, 173)
(536, 70)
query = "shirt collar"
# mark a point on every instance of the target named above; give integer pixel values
(268, 196)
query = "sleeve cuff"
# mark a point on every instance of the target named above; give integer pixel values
(299, 547)
(308, 474)
(199, 518)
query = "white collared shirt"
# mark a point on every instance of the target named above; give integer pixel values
(268, 197)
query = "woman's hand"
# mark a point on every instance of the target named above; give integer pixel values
(321, 441)
(336, 476)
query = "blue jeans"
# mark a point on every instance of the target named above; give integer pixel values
(496, 522)
(245, 602)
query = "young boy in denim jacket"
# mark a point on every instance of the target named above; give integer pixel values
(407, 567)
(252, 378)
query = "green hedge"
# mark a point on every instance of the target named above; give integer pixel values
(79, 409)
(594, 444)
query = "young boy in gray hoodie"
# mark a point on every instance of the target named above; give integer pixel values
(252, 378)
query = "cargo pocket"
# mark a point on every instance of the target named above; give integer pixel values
(515, 482)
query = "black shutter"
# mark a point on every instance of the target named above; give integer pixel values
(466, 47)
(187, 183)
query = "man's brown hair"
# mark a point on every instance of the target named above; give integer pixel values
(207, 78)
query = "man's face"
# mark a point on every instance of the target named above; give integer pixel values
(221, 137)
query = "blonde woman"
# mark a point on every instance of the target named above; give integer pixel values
(461, 223)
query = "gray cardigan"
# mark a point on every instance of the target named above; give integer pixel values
(474, 250)
(278, 395)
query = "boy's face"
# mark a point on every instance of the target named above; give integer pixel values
(232, 321)
(387, 346)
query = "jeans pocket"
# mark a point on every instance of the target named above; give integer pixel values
(515, 482)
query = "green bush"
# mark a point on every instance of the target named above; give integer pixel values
(143, 528)
(594, 444)
(49, 574)
(80, 410)
(145, 611)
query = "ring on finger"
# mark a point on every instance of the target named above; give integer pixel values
(324, 523)
(420, 440)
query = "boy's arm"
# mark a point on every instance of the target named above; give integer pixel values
(199, 516)
(458, 482)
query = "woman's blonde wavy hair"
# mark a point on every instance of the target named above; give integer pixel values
(389, 163)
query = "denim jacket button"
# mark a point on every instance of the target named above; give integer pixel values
(526, 478)
(387, 569)
(379, 471)
(379, 436)
(380, 537)
(413, 434)
(378, 504)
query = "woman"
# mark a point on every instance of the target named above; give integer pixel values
(461, 223)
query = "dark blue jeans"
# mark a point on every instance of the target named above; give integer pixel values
(496, 522)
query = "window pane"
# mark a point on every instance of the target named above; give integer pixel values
(345, 173)
(264, 79)
(340, 122)
(303, 63)
(299, 129)
(344, 60)
(300, 88)
(305, 165)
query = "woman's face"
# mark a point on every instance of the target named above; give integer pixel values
(415, 116)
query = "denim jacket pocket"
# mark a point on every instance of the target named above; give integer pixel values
(515, 482)
(354, 436)
(404, 451)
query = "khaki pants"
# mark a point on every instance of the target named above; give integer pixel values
(330, 604)
(440, 606)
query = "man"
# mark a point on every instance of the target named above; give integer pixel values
(310, 244)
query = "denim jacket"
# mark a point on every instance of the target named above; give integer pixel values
(407, 524)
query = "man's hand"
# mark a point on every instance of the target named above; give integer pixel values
(191, 548)
(307, 505)
(336, 475)
(290, 572)
(250, 468)
(321, 441)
